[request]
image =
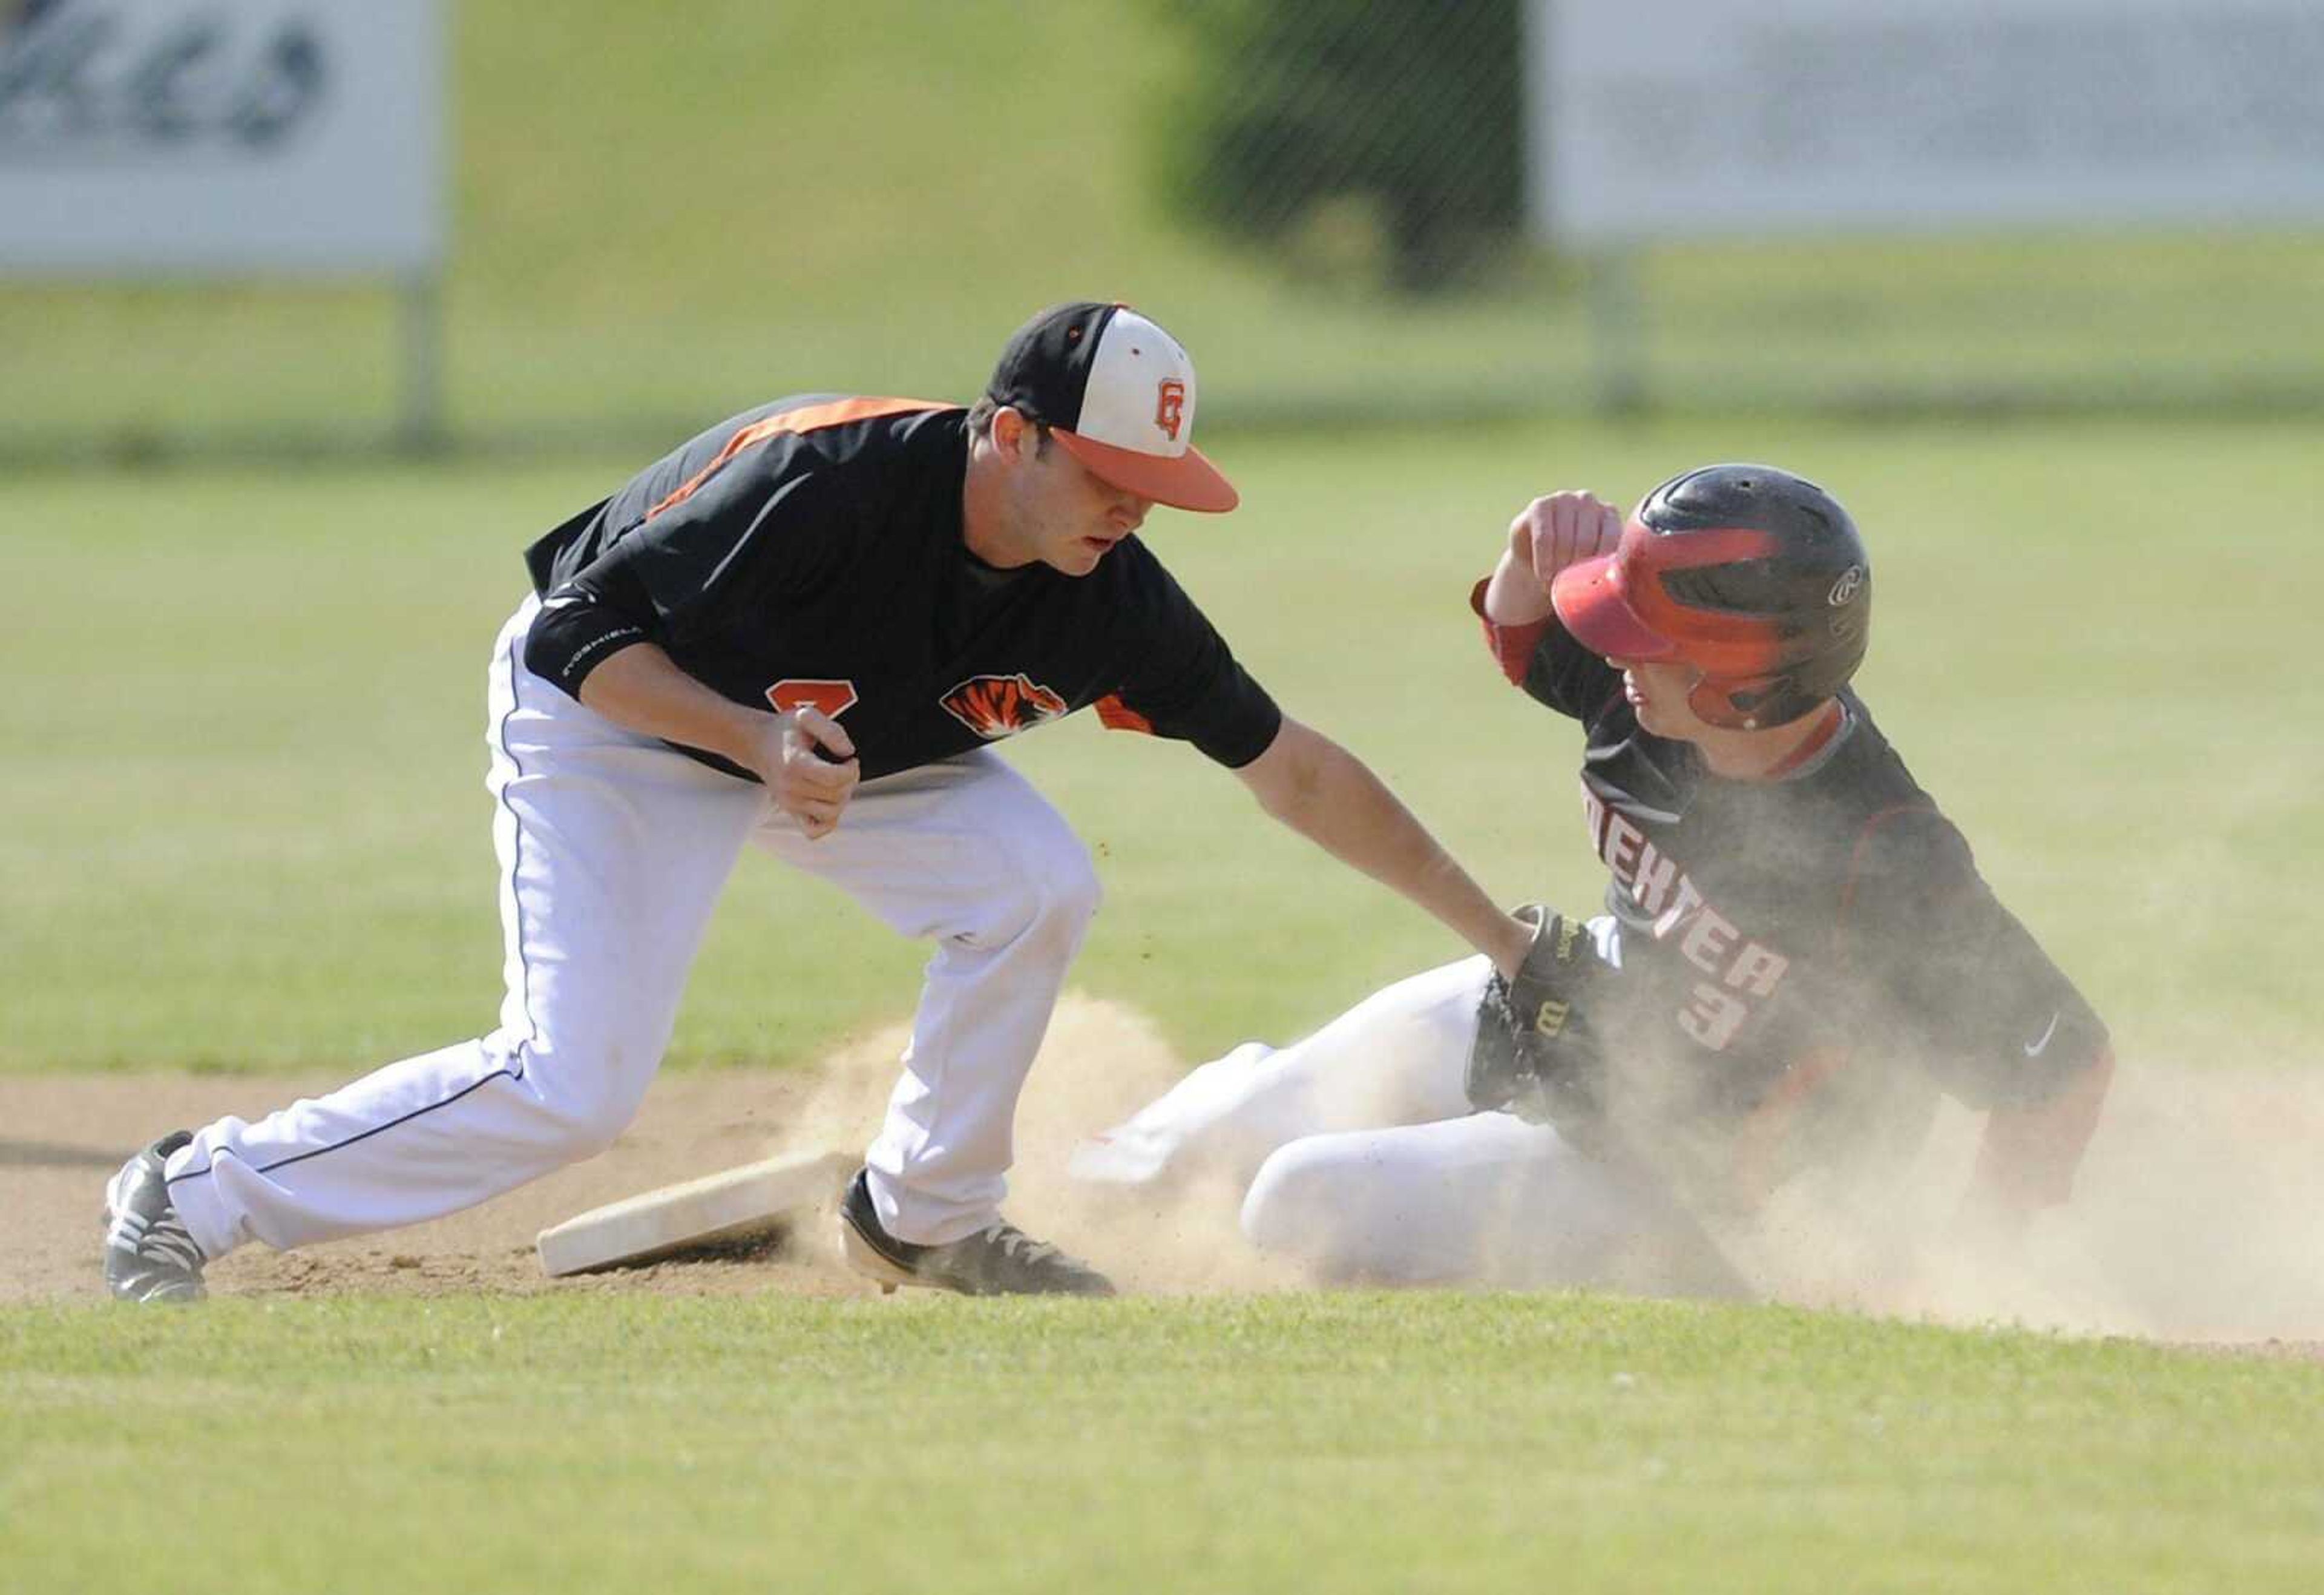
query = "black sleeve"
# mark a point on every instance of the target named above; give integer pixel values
(1179, 679)
(574, 634)
(693, 568)
(1567, 677)
(1977, 1001)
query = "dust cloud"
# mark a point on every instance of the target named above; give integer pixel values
(2198, 1214)
(1100, 1063)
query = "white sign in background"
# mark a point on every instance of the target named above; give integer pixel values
(1680, 118)
(177, 137)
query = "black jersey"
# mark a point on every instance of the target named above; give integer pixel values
(810, 552)
(1808, 957)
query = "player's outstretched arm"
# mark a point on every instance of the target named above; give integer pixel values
(1332, 798)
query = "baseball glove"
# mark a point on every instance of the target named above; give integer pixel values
(1535, 1054)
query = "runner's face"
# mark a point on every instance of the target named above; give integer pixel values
(1657, 691)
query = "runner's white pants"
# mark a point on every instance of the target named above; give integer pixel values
(1360, 1157)
(613, 850)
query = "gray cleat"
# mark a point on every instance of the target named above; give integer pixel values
(149, 1257)
(1001, 1260)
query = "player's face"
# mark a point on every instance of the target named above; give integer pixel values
(1657, 693)
(1072, 516)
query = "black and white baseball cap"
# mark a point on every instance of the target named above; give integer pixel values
(1119, 392)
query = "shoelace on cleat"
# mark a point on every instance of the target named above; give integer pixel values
(162, 1239)
(171, 1243)
(1018, 1245)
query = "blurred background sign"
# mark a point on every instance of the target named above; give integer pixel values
(190, 140)
(1674, 119)
(278, 137)
(1352, 210)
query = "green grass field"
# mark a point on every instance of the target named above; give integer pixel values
(243, 828)
(1347, 1444)
(243, 825)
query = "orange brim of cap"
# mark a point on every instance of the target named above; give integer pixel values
(1188, 482)
(1596, 612)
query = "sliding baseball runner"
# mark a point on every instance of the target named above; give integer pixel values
(1796, 958)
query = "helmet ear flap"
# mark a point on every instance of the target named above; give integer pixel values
(1731, 705)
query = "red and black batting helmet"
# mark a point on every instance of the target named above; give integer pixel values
(1752, 576)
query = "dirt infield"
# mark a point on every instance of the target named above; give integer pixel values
(2196, 1217)
(63, 1138)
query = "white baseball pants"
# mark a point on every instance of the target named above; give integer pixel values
(613, 850)
(1360, 1157)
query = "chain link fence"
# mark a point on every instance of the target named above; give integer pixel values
(1334, 201)
(1412, 153)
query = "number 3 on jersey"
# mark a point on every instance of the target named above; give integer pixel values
(1713, 1016)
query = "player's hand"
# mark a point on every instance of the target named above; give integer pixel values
(812, 771)
(1562, 529)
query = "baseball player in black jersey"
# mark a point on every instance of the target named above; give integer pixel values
(804, 630)
(1796, 955)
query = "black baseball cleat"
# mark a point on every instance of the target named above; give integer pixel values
(149, 1257)
(999, 1261)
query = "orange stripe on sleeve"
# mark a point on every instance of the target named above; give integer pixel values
(1116, 715)
(810, 418)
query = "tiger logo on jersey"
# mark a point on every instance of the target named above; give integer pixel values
(995, 706)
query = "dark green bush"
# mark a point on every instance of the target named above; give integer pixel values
(1407, 110)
